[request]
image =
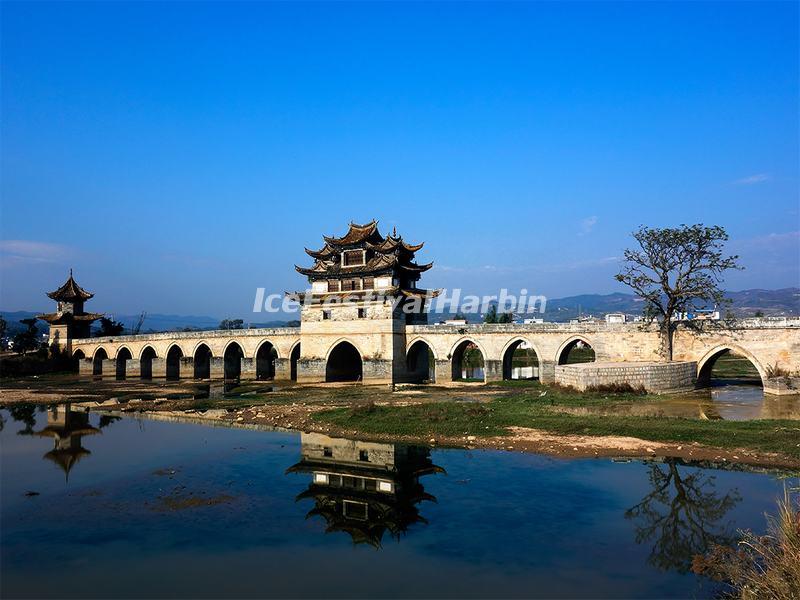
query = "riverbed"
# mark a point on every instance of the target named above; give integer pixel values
(99, 505)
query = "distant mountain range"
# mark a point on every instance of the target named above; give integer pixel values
(746, 303)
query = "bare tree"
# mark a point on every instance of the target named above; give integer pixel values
(676, 270)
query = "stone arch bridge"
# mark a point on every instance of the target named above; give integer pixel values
(402, 355)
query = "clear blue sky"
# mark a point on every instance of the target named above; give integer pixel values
(180, 155)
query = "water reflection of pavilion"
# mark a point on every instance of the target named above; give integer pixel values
(67, 428)
(364, 488)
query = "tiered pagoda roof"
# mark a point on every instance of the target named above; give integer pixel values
(70, 298)
(390, 255)
(70, 292)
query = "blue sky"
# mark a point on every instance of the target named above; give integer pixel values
(180, 155)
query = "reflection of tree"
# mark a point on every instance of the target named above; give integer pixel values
(25, 413)
(680, 516)
(106, 420)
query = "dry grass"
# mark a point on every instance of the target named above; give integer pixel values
(761, 567)
(777, 371)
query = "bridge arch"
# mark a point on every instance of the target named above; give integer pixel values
(265, 356)
(507, 356)
(344, 362)
(232, 357)
(420, 361)
(201, 359)
(77, 357)
(457, 357)
(174, 356)
(124, 354)
(146, 362)
(99, 356)
(562, 354)
(706, 364)
(424, 340)
(294, 358)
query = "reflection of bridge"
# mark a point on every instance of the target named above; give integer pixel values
(363, 320)
(280, 353)
(364, 488)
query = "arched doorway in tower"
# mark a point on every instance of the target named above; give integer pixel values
(76, 360)
(344, 363)
(174, 356)
(520, 361)
(233, 361)
(97, 361)
(577, 351)
(202, 362)
(467, 362)
(728, 367)
(265, 361)
(146, 360)
(420, 363)
(293, 360)
(123, 356)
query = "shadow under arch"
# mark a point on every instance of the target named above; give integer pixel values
(294, 358)
(202, 361)
(97, 360)
(174, 356)
(575, 350)
(344, 363)
(266, 355)
(420, 362)
(525, 365)
(77, 357)
(706, 365)
(232, 360)
(468, 361)
(146, 362)
(121, 361)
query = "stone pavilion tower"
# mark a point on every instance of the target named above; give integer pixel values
(70, 320)
(363, 294)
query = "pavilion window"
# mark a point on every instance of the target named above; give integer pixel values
(355, 510)
(333, 285)
(351, 285)
(369, 283)
(326, 315)
(352, 258)
(362, 313)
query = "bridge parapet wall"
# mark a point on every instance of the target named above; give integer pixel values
(282, 338)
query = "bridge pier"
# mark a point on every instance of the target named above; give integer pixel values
(109, 368)
(311, 370)
(85, 366)
(217, 367)
(492, 370)
(443, 371)
(186, 367)
(159, 368)
(283, 369)
(547, 371)
(248, 368)
(133, 368)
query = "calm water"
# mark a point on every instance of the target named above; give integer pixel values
(145, 508)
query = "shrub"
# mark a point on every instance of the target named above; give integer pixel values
(760, 567)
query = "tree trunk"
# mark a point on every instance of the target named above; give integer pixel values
(667, 332)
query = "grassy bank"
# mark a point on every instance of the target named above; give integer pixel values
(536, 407)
